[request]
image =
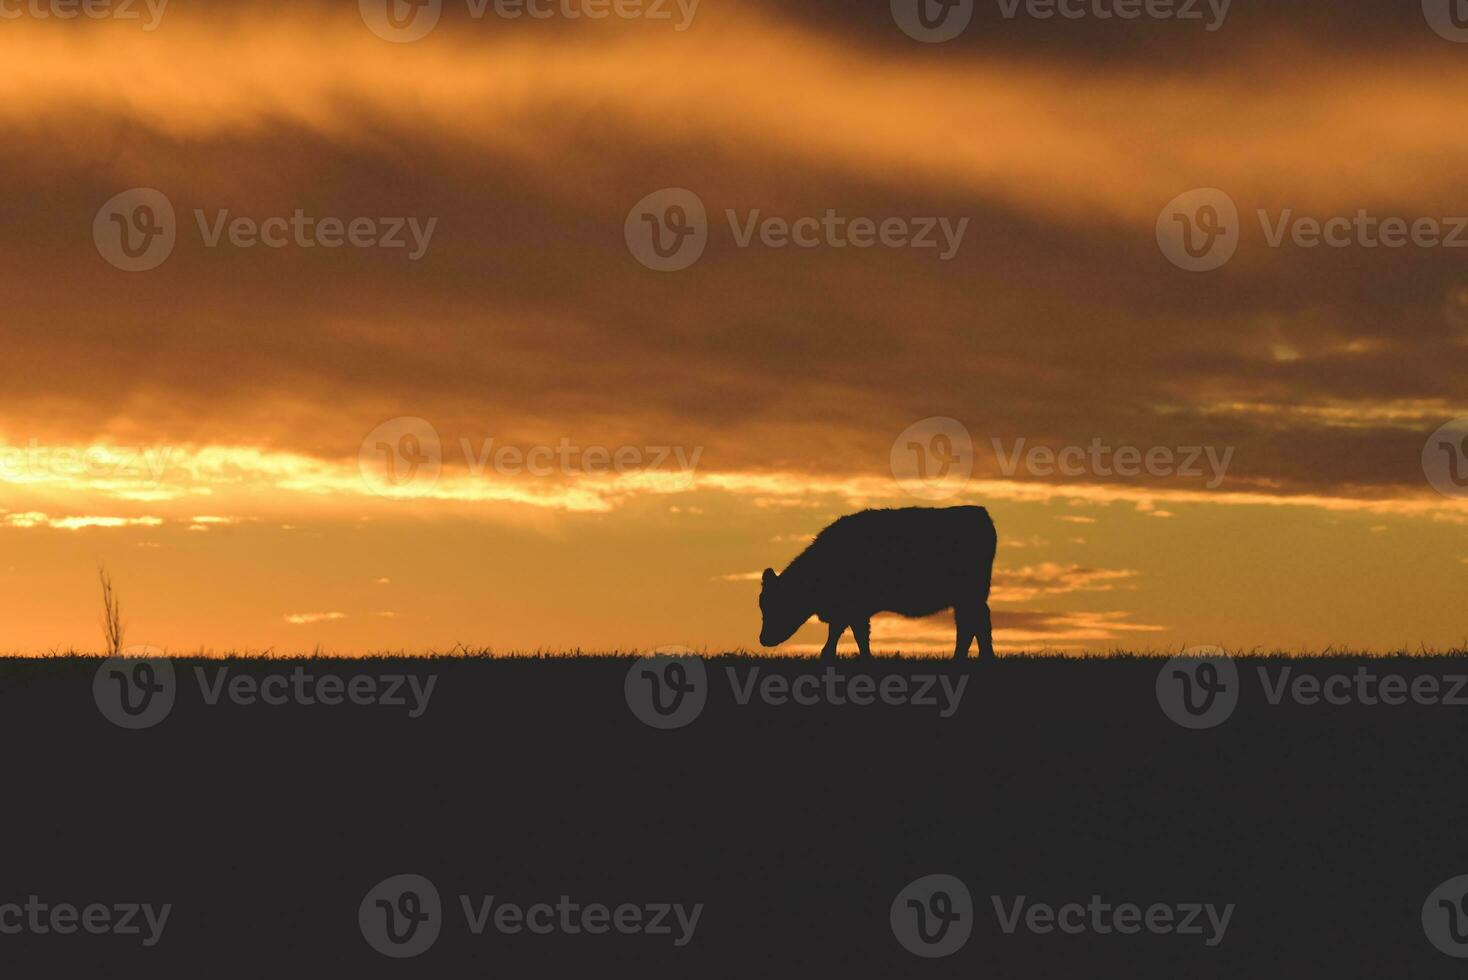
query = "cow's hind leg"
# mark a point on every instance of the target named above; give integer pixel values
(834, 630)
(983, 624)
(862, 631)
(973, 623)
(964, 621)
(984, 632)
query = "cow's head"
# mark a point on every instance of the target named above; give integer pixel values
(783, 612)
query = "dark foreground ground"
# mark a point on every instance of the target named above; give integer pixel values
(796, 827)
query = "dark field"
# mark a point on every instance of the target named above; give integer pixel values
(265, 826)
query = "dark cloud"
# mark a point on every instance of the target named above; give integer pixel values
(1057, 324)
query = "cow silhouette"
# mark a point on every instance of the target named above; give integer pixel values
(913, 561)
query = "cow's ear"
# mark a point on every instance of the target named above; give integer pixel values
(769, 577)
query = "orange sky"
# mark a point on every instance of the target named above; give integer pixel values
(211, 428)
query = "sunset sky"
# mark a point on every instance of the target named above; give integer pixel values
(212, 429)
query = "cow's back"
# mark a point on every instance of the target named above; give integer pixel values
(913, 560)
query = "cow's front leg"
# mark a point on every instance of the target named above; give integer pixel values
(834, 629)
(862, 630)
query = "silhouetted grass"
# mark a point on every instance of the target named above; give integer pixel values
(16, 666)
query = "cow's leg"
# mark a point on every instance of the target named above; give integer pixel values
(862, 631)
(973, 622)
(964, 621)
(984, 631)
(833, 635)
